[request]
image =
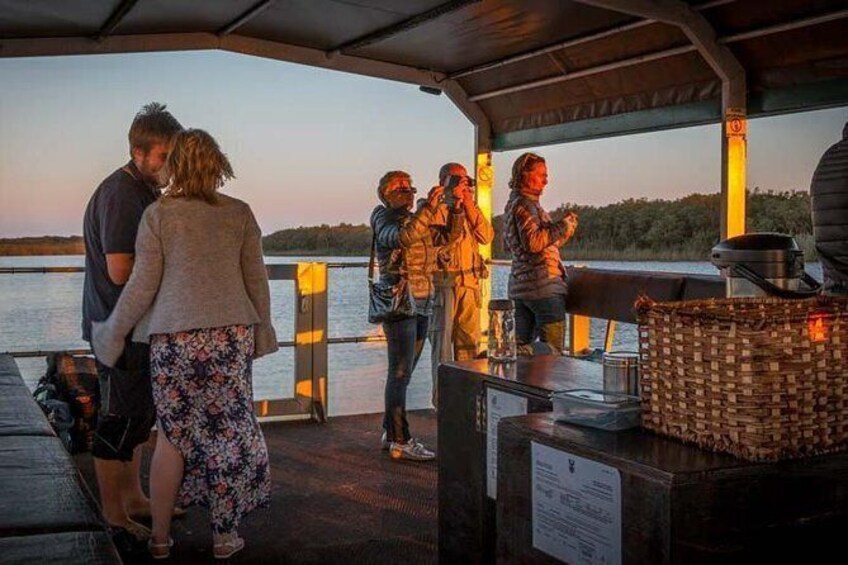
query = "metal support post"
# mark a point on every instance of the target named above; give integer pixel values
(578, 335)
(734, 159)
(485, 185)
(609, 338)
(310, 327)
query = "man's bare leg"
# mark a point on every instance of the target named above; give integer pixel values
(111, 481)
(136, 502)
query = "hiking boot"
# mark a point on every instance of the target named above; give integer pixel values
(412, 450)
(385, 444)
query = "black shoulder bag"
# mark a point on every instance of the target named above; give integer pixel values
(387, 302)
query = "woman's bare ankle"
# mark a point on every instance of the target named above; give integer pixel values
(116, 519)
(225, 537)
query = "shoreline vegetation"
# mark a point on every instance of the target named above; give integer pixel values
(46, 245)
(685, 229)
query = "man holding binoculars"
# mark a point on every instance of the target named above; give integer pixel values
(455, 324)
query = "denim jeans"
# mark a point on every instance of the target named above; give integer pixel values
(405, 341)
(543, 318)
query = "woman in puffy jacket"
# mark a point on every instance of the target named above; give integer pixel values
(406, 244)
(537, 280)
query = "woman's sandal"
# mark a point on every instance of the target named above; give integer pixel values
(138, 531)
(160, 550)
(228, 548)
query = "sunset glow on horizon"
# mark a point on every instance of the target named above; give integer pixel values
(308, 145)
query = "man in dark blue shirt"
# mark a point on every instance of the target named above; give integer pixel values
(126, 404)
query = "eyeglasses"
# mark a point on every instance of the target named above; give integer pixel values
(407, 190)
(528, 159)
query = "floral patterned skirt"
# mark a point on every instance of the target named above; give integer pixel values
(203, 392)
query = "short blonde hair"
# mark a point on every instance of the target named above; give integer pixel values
(386, 179)
(197, 167)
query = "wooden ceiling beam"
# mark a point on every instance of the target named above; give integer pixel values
(573, 42)
(245, 17)
(698, 30)
(114, 19)
(402, 26)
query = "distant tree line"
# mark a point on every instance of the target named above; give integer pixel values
(639, 229)
(45, 245)
(343, 239)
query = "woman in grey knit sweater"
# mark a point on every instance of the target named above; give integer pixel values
(199, 294)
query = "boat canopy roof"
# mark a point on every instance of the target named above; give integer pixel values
(529, 72)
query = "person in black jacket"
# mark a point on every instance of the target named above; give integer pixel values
(829, 206)
(406, 246)
(537, 279)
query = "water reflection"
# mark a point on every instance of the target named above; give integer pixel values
(42, 312)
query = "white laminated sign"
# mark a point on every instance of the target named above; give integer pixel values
(499, 405)
(576, 507)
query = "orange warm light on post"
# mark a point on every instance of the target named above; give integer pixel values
(736, 129)
(579, 335)
(485, 184)
(311, 337)
(817, 327)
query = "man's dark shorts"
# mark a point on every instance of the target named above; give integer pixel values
(126, 405)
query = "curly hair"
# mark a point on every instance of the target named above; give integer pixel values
(153, 124)
(386, 179)
(196, 166)
(522, 165)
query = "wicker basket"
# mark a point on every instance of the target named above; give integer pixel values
(761, 378)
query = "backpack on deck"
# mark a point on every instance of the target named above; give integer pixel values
(70, 380)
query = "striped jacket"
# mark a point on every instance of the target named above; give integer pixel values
(829, 204)
(534, 241)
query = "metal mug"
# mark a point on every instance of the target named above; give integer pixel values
(621, 372)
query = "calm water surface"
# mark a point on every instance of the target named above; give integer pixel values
(42, 312)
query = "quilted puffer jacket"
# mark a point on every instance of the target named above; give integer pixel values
(829, 203)
(534, 242)
(407, 244)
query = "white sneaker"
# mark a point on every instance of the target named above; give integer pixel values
(412, 450)
(385, 444)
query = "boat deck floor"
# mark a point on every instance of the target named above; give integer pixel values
(336, 498)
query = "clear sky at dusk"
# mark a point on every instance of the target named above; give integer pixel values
(308, 145)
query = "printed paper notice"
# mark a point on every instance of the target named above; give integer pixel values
(576, 507)
(499, 405)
